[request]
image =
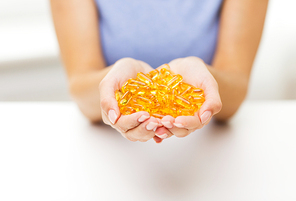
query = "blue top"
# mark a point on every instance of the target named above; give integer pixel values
(158, 31)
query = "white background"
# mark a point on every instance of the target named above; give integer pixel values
(30, 69)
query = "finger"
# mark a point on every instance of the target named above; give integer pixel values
(179, 132)
(188, 122)
(143, 132)
(178, 129)
(167, 121)
(211, 106)
(109, 105)
(127, 122)
(163, 133)
(157, 139)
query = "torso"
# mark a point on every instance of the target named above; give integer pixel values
(158, 31)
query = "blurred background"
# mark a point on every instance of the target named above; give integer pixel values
(31, 70)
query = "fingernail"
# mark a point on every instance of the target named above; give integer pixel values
(151, 126)
(143, 118)
(112, 116)
(179, 125)
(162, 136)
(167, 124)
(205, 117)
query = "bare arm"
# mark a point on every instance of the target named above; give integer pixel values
(239, 37)
(76, 24)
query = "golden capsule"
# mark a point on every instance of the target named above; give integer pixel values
(186, 91)
(186, 112)
(165, 76)
(144, 78)
(125, 98)
(163, 89)
(126, 110)
(160, 116)
(131, 87)
(197, 92)
(183, 102)
(197, 99)
(118, 95)
(138, 107)
(154, 75)
(176, 79)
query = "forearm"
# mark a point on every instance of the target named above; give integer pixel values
(239, 36)
(232, 88)
(85, 92)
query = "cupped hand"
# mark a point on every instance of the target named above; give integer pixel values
(196, 73)
(139, 126)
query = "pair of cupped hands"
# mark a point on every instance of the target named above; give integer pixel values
(140, 126)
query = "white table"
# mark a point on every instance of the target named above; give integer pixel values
(49, 151)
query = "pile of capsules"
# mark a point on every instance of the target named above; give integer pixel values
(160, 93)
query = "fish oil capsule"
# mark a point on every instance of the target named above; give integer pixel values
(197, 92)
(160, 116)
(131, 87)
(163, 89)
(175, 81)
(127, 110)
(138, 107)
(142, 100)
(154, 88)
(154, 75)
(144, 78)
(118, 95)
(186, 112)
(165, 76)
(186, 91)
(197, 99)
(183, 102)
(125, 98)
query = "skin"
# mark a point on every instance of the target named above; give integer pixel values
(225, 82)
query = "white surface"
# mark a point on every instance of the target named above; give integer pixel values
(48, 151)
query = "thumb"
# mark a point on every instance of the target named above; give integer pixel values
(109, 105)
(210, 107)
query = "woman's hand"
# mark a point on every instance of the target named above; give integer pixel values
(196, 73)
(138, 126)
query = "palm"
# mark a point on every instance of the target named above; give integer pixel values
(126, 69)
(195, 73)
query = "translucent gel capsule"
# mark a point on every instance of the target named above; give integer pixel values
(165, 76)
(197, 100)
(138, 107)
(154, 75)
(142, 100)
(118, 95)
(163, 89)
(176, 79)
(183, 102)
(144, 78)
(131, 87)
(125, 98)
(160, 116)
(127, 110)
(186, 112)
(143, 91)
(186, 91)
(196, 92)
(154, 88)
